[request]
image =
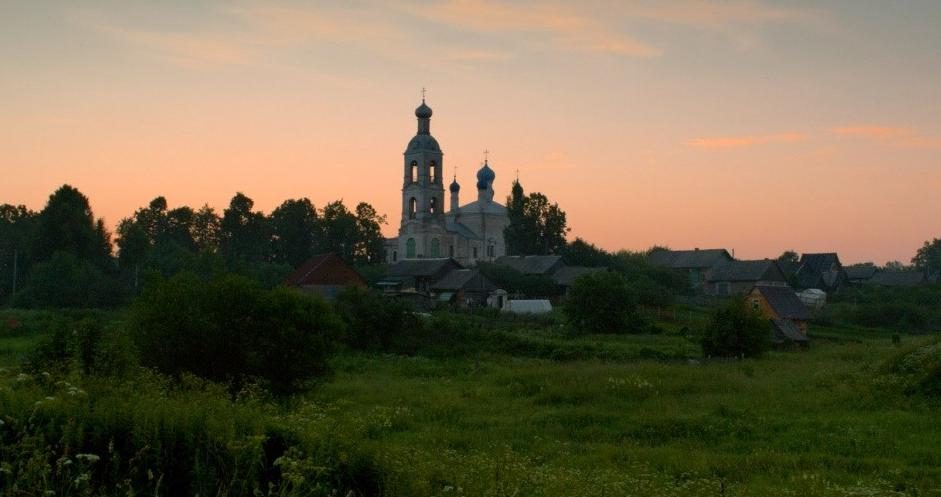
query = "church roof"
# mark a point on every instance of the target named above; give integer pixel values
(483, 206)
(423, 142)
(461, 230)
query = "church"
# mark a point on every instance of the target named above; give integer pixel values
(467, 233)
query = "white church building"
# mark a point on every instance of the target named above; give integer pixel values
(468, 233)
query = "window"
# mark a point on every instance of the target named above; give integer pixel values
(410, 248)
(413, 171)
(475, 252)
(412, 208)
(754, 304)
(435, 248)
(433, 205)
(451, 250)
(395, 255)
(433, 172)
(491, 248)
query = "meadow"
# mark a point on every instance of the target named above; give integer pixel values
(528, 411)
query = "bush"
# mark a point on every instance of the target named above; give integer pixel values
(87, 343)
(602, 302)
(230, 329)
(373, 322)
(67, 281)
(918, 368)
(735, 330)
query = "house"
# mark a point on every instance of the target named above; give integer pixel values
(695, 263)
(324, 275)
(823, 271)
(738, 277)
(417, 275)
(859, 274)
(779, 302)
(465, 287)
(898, 278)
(545, 265)
(566, 275)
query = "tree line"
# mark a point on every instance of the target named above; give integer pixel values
(64, 255)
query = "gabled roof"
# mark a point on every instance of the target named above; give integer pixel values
(898, 278)
(784, 302)
(566, 275)
(531, 264)
(761, 270)
(858, 273)
(819, 263)
(689, 259)
(465, 279)
(785, 329)
(421, 267)
(324, 269)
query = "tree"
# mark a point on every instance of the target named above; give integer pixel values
(601, 302)
(895, 266)
(536, 226)
(66, 224)
(339, 230)
(373, 322)
(789, 256)
(294, 230)
(368, 248)
(229, 329)
(16, 226)
(736, 330)
(244, 234)
(66, 281)
(928, 257)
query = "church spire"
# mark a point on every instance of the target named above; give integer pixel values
(423, 113)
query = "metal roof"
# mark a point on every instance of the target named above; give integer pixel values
(784, 302)
(689, 259)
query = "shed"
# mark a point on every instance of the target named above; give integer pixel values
(467, 287)
(324, 275)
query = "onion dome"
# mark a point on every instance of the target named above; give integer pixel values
(423, 111)
(485, 177)
(454, 186)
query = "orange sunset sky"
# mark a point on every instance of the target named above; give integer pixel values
(756, 126)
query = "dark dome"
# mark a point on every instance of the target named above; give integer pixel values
(454, 186)
(485, 177)
(423, 142)
(423, 111)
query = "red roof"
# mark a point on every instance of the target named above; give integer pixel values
(325, 269)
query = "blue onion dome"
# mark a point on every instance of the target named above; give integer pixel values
(485, 177)
(454, 186)
(423, 111)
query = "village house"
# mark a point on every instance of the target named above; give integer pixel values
(738, 277)
(823, 271)
(467, 288)
(695, 263)
(788, 315)
(417, 275)
(898, 278)
(544, 265)
(564, 277)
(324, 275)
(859, 274)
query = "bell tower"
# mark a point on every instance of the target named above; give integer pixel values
(423, 207)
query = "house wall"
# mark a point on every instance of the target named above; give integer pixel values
(756, 300)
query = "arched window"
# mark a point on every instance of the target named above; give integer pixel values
(435, 248)
(413, 171)
(412, 208)
(491, 248)
(433, 205)
(395, 255)
(410, 248)
(433, 172)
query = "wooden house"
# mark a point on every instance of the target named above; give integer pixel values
(779, 302)
(823, 271)
(324, 275)
(417, 275)
(739, 277)
(695, 263)
(464, 287)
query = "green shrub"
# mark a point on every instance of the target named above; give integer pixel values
(602, 302)
(89, 343)
(918, 368)
(735, 330)
(230, 329)
(373, 322)
(67, 281)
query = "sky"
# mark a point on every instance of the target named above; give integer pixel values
(752, 125)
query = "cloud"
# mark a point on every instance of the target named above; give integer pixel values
(902, 136)
(478, 55)
(561, 25)
(744, 141)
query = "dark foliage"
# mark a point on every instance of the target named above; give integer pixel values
(536, 226)
(373, 322)
(602, 302)
(67, 281)
(904, 309)
(517, 283)
(736, 330)
(229, 329)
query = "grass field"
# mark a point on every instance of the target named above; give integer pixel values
(608, 420)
